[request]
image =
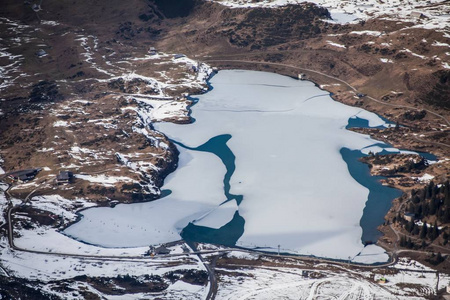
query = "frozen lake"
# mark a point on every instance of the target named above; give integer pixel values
(267, 163)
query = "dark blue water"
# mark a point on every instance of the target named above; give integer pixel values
(228, 234)
(379, 200)
(363, 123)
(378, 203)
(380, 197)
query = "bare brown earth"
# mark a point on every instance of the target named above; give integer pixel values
(91, 39)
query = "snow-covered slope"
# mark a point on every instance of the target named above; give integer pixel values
(426, 14)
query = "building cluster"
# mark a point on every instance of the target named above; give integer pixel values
(23, 176)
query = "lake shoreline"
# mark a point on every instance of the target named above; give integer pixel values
(294, 100)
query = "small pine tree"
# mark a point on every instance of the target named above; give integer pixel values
(409, 244)
(423, 245)
(416, 230)
(435, 231)
(410, 226)
(446, 216)
(445, 237)
(425, 209)
(402, 241)
(447, 194)
(423, 232)
(429, 189)
(423, 194)
(439, 258)
(418, 210)
(433, 207)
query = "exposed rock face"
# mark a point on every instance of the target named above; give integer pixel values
(436, 91)
(45, 91)
(264, 27)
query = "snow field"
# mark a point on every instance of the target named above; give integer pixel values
(435, 12)
(195, 192)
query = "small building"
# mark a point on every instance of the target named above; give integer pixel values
(23, 175)
(176, 56)
(152, 51)
(417, 15)
(41, 53)
(302, 76)
(36, 7)
(113, 203)
(192, 68)
(162, 250)
(382, 280)
(409, 217)
(64, 177)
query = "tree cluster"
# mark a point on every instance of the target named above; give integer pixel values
(432, 200)
(430, 203)
(425, 231)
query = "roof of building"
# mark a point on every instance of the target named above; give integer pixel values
(41, 52)
(24, 177)
(64, 175)
(28, 172)
(162, 250)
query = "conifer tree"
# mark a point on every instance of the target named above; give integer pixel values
(447, 194)
(439, 258)
(410, 226)
(423, 245)
(430, 188)
(416, 230)
(409, 244)
(435, 231)
(433, 206)
(423, 232)
(402, 241)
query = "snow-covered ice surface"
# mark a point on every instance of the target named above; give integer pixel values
(218, 217)
(298, 192)
(371, 254)
(435, 12)
(159, 221)
(286, 134)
